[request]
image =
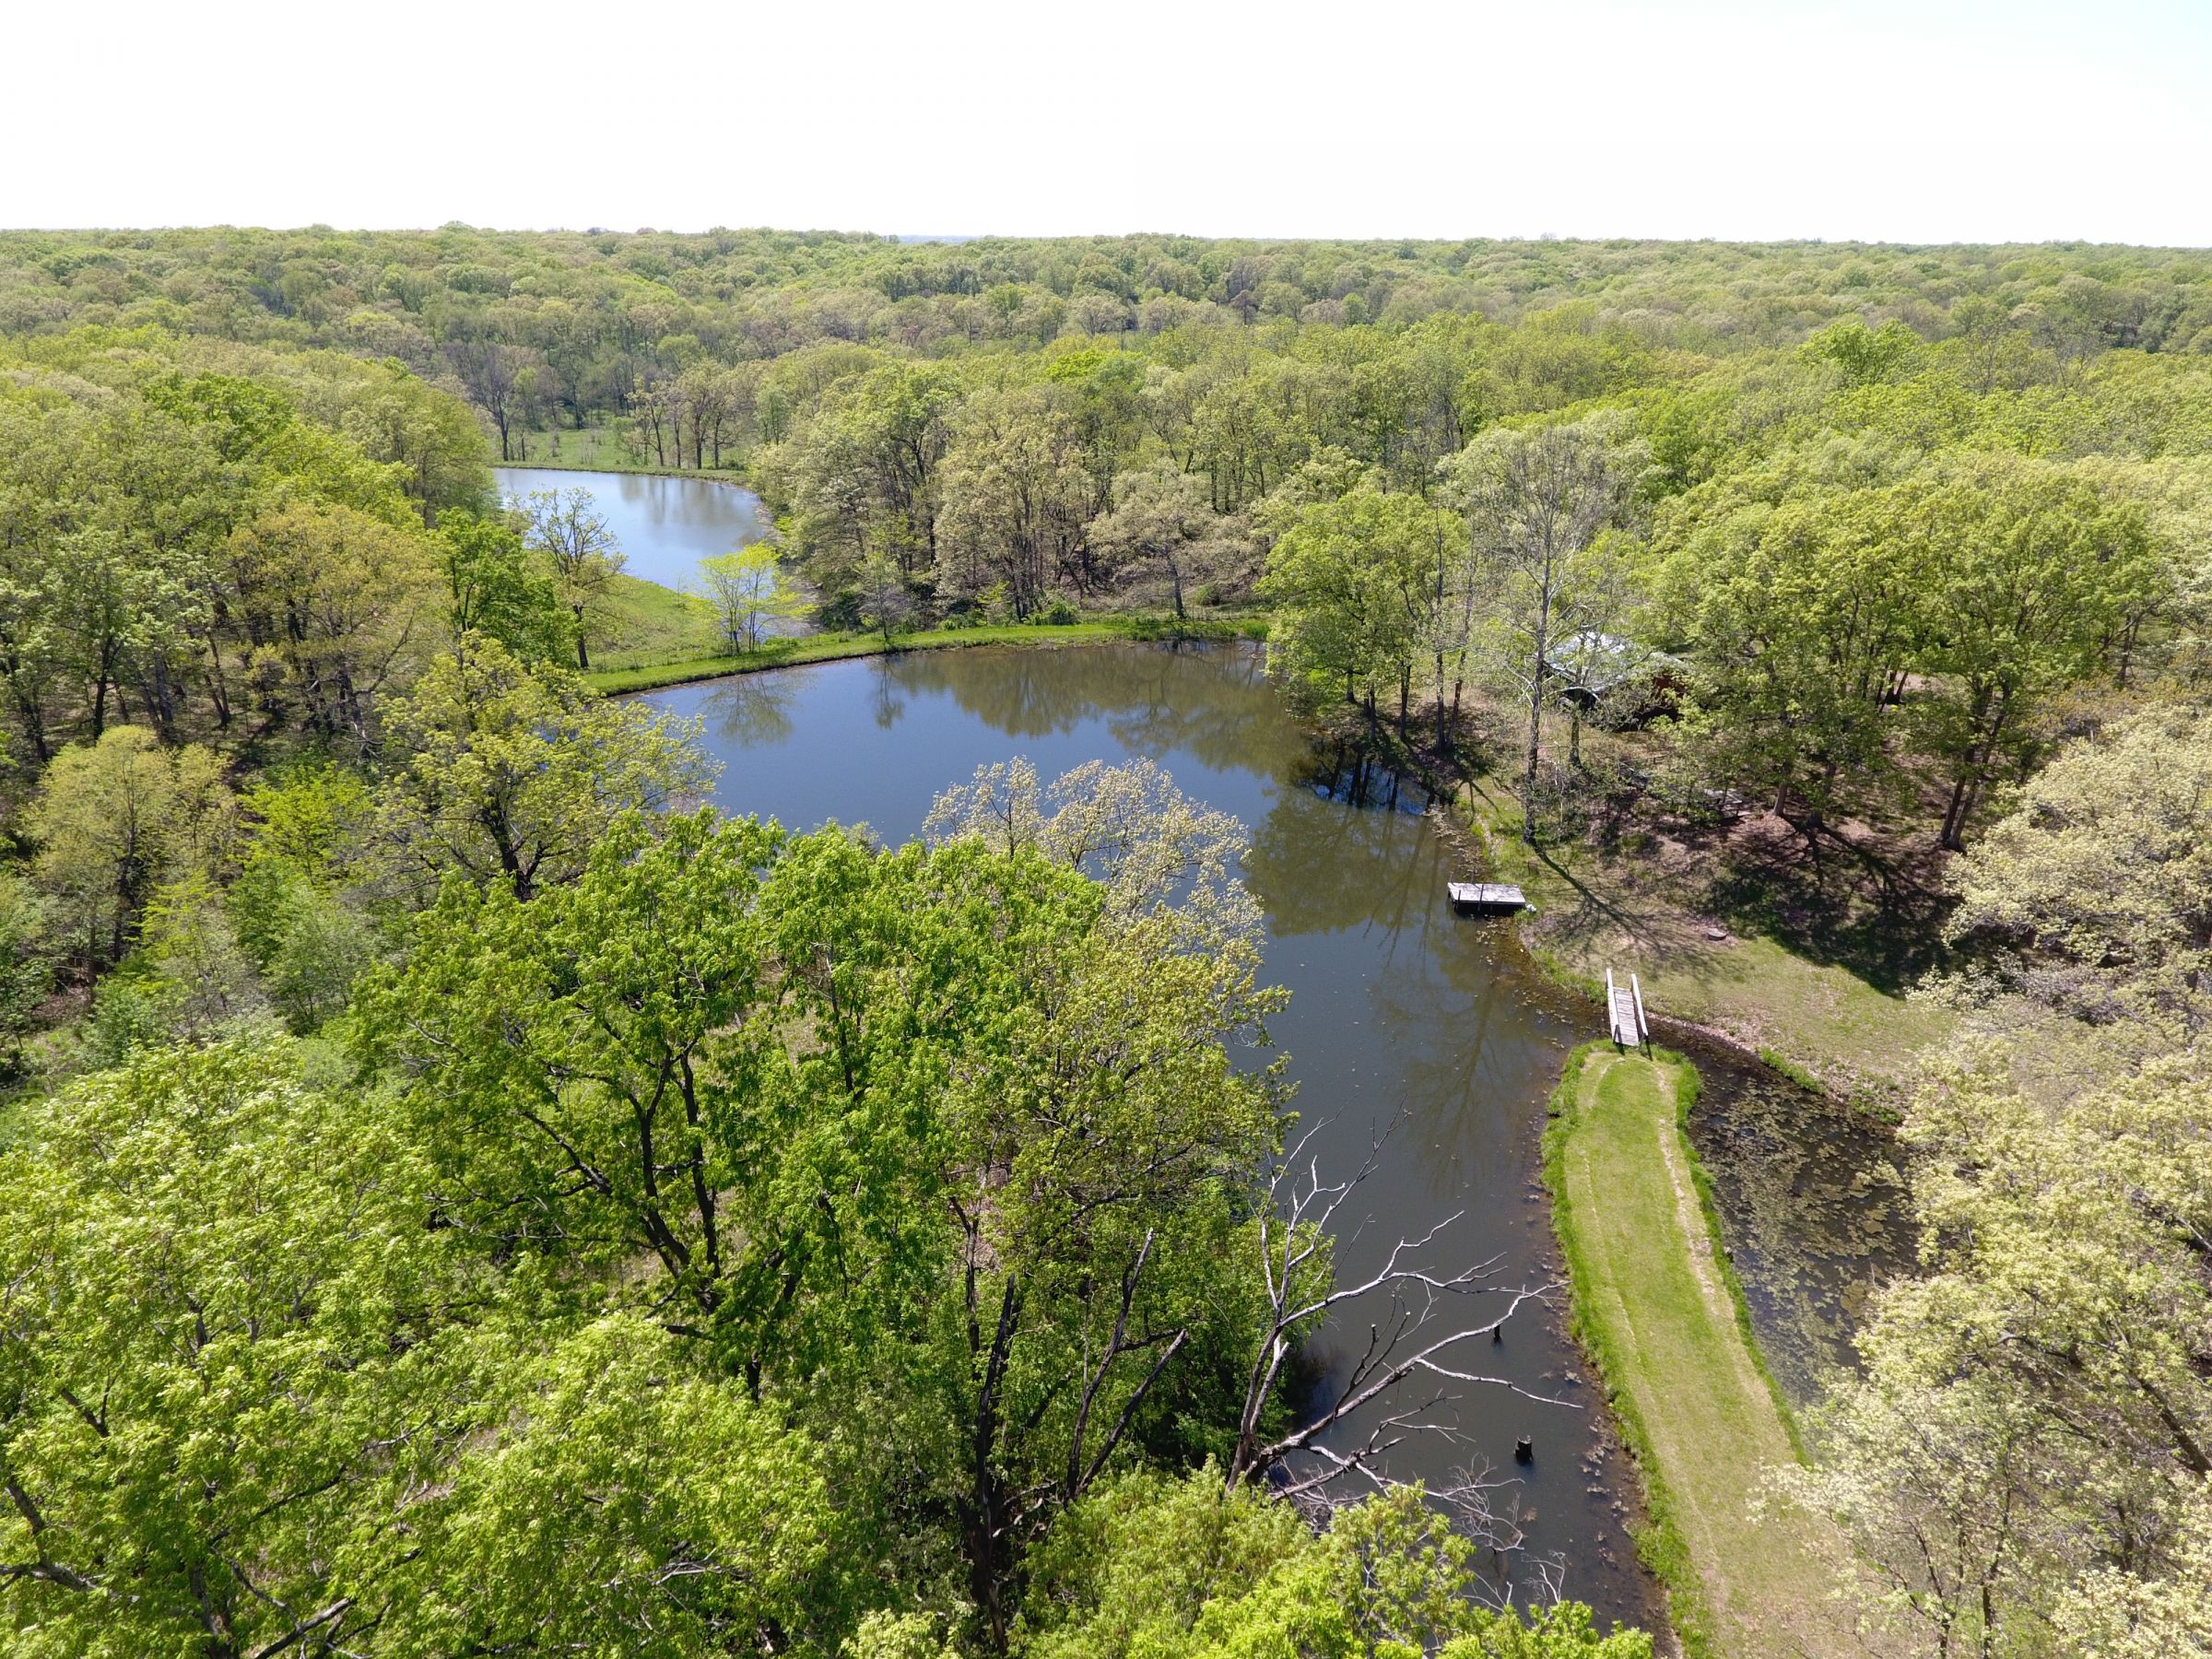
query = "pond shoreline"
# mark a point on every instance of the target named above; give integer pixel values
(831, 648)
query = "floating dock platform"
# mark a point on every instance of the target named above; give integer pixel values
(1485, 896)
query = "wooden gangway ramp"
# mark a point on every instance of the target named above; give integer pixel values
(1624, 1012)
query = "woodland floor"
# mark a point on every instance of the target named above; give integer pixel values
(1802, 952)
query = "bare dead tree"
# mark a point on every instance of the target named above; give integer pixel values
(1416, 1338)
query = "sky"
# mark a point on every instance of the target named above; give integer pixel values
(1940, 120)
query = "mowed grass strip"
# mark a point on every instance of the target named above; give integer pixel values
(1661, 1316)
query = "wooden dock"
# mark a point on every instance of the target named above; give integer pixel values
(1485, 896)
(1624, 1012)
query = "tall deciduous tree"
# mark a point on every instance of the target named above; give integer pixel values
(572, 534)
(749, 591)
(342, 606)
(115, 820)
(2035, 1414)
(1014, 501)
(505, 772)
(1537, 503)
(1352, 578)
(2026, 579)
(1162, 531)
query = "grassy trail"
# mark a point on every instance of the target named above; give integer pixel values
(1656, 1307)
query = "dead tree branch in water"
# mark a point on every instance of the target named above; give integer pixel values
(1417, 1337)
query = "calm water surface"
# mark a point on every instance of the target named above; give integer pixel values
(664, 525)
(1402, 1018)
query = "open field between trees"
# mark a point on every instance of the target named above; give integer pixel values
(1657, 1308)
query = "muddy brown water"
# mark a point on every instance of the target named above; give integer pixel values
(1403, 1018)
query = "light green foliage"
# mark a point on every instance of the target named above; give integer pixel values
(1161, 533)
(505, 772)
(115, 820)
(565, 527)
(1543, 504)
(928, 1144)
(2035, 1416)
(250, 1398)
(496, 591)
(862, 476)
(228, 1371)
(1188, 1569)
(2095, 895)
(342, 604)
(707, 1241)
(1354, 580)
(1799, 608)
(2025, 578)
(1016, 499)
(2112, 1613)
(1853, 606)
(193, 530)
(26, 968)
(749, 591)
(189, 964)
(632, 1502)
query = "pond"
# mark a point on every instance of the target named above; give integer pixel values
(1405, 1022)
(663, 525)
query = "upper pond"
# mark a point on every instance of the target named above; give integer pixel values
(664, 525)
(1402, 1018)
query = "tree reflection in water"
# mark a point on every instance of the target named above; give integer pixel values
(750, 711)
(1210, 702)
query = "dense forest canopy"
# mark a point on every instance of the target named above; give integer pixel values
(604, 304)
(422, 1113)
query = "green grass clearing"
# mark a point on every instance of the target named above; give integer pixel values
(1817, 1021)
(641, 622)
(1661, 1315)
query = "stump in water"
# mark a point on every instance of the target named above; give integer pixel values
(1524, 1451)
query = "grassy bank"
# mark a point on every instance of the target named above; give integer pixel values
(833, 647)
(642, 622)
(1661, 1315)
(1817, 1022)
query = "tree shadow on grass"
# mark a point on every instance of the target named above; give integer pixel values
(1852, 899)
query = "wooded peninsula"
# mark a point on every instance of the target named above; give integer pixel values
(462, 1192)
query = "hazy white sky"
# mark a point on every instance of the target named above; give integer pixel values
(1946, 119)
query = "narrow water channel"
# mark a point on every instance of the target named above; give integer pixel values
(1405, 1022)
